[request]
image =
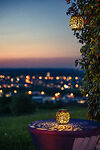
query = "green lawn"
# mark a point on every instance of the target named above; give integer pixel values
(14, 134)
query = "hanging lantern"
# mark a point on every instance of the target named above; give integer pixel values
(62, 116)
(76, 22)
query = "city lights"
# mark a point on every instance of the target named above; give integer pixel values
(57, 78)
(12, 79)
(1, 91)
(40, 77)
(57, 94)
(33, 77)
(48, 74)
(62, 88)
(66, 86)
(15, 91)
(8, 95)
(17, 79)
(2, 76)
(4, 85)
(9, 86)
(42, 92)
(46, 78)
(8, 77)
(27, 81)
(53, 98)
(17, 86)
(51, 78)
(61, 82)
(64, 78)
(76, 85)
(30, 92)
(81, 102)
(76, 78)
(25, 85)
(70, 78)
(28, 77)
(71, 94)
(87, 95)
(58, 83)
(12, 85)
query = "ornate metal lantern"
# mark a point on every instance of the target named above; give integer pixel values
(76, 22)
(62, 116)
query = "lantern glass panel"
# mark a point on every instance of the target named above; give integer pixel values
(62, 116)
(76, 22)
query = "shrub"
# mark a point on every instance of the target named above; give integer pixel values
(5, 105)
(22, 104)
(48, 105)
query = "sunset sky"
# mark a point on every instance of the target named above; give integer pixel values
(36, 33)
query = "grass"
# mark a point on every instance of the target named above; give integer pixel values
(14, 134)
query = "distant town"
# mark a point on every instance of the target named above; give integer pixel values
(43, 88)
